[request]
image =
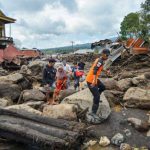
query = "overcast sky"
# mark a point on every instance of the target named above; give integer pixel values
(54, 23)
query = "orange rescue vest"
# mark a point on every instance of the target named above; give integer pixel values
(90, 75)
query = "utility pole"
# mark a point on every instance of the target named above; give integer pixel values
(10, 30)
(72, 42)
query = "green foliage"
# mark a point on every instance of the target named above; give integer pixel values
(137, 24)
(130, 25)
(145, 20)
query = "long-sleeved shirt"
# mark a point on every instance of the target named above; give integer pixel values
(49, 74)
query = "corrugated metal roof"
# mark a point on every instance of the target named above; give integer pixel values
(6, 19)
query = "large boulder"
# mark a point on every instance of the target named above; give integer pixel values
(3, 72)
(114, 97)
(33, 94)
(84, 100)
(35, 104)
(63, 111)
(14, 78)
(9, 90)
(137, 97)
(139, 124)
(110, 84)
(5, 102)
(25, 70)
(65, 93)
(36, 67)
(139, 81)
(126, 74)
(124, 84)
(23, 107)
(17, 78)
(25, 84)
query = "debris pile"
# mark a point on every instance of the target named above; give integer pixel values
(123, 114)
(80, 57)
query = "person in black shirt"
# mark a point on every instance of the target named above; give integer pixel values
(49, 75)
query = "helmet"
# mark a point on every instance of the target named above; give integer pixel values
(106, 51)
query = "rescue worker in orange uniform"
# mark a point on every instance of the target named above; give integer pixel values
(96, 87)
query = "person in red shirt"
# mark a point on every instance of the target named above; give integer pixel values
(61, 83)
(96, 87)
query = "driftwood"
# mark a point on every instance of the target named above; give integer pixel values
(41, 131)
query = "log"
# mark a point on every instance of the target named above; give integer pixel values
(33, 129)
(60, 123)
(45, 129)
(29, 136)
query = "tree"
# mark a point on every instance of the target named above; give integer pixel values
(130, 25)
(145, 20)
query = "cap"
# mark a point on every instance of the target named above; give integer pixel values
(51, 60)
(106, 51)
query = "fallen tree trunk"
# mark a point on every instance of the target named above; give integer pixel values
(30, 136)
(33, 129)
(60, 123)
(45, 129)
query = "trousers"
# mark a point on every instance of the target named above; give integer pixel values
(96, 92)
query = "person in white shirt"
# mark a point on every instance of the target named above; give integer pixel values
(68, 70)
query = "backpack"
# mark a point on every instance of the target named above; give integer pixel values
(79, 73)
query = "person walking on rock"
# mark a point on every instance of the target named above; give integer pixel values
(96, 87)
(49, 74)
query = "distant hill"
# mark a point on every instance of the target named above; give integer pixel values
(67, 49)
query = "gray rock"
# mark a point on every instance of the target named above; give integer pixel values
(139, 124)
(137, 97)
(34, 104)
(23, 107)
(5, 102)
(14, 78)
(104, 141)
(139, 80)
(25, 70)
(9, 90)
(125, 146)
(36, 67)
(124, 84)
(127, 132)
(34, 95)
(114, 97)
(84, 99)
(126, 74)
(148, 133)
(147, 75)
(65, 93)
(110, 83)
(3, 72)
(63, 111)
(117, 139)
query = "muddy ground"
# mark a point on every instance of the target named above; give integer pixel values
(117, 123)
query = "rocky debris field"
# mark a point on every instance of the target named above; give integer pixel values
(124, 114)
